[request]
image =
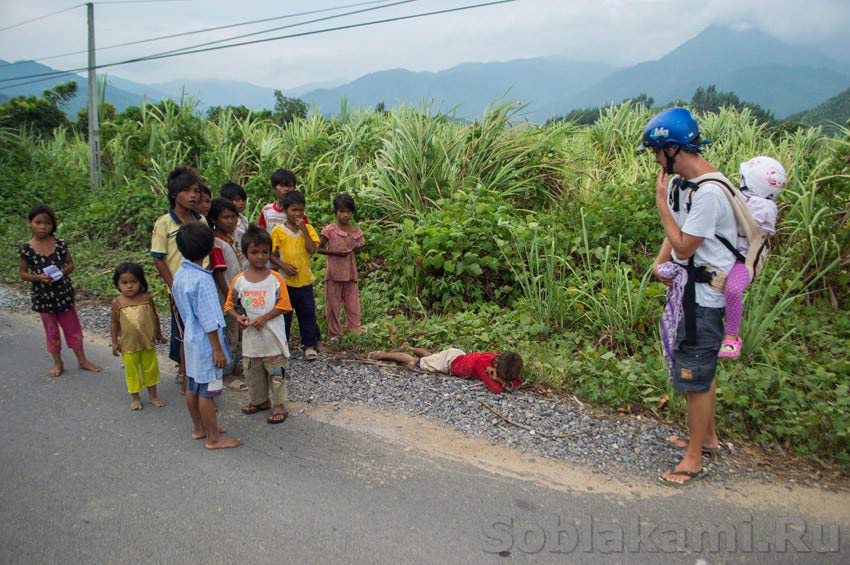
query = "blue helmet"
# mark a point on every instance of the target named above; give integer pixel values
(673, 127)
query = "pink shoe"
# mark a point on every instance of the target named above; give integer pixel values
(731, 348)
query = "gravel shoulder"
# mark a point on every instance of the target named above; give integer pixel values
(611, 445)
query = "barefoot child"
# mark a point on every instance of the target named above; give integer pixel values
(135, 331)
(340, 241)
(46, 262)
(183, 195)
(499, 371)
(762, 179)
(265, 353)
(206, 348)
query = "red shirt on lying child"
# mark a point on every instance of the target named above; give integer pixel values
(474, 366)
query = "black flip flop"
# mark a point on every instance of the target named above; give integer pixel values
(692, 477)
(271, 420)
(253, 409)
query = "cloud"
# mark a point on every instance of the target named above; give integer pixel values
(620, 32)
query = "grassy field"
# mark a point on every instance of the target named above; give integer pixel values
(498, 235)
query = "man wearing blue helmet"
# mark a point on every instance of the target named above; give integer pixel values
(692, 220)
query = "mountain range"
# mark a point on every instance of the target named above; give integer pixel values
(783, 78)
(831, 114)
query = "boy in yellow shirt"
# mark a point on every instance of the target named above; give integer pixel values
(292, 244)
(183, 194)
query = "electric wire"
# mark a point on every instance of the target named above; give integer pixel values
(261, 32)
(135, 1)
(72, 71)
(19, 24)
(197, 31)
(45, 76)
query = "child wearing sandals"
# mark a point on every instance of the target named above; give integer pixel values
(264, 299)
(135, 331)
(762, 179)
(46, 262)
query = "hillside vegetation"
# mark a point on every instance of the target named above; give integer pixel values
(494, 236)
(832, 114)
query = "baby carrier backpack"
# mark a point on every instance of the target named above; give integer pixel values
(759, 245)
(708, 274)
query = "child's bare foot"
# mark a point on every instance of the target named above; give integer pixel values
(136, 404)
(376, 355)
(57, 370)
(157, 402)
(89, 366)
(203, 433)
(224, 442)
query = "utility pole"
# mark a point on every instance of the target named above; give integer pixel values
(94, 129)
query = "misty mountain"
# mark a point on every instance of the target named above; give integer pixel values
(470, 87)
(115, 95)
(830, 114)
(218, 92)
(778, 76)
(783, 78)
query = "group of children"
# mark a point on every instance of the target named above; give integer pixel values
(232, 282)
(214, 262)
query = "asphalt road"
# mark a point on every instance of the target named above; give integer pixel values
(84, 479)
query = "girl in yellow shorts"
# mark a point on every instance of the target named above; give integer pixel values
(135, 331)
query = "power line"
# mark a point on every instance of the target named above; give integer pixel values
(46, 76)
(135, 2)
(19, 24)
(195, 32)
(217, 41)
(61, 73)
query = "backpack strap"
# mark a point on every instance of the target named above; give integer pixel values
(747, 225)
(689, 303)
(732, 249)
(700, 274)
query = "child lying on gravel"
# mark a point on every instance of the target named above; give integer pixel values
(499, 371)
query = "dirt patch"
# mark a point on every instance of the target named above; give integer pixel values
(410, 432)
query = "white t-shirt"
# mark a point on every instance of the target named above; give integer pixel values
(271, 216)
(227, 255)
(710, 214)
(242, 224)
(258, 298)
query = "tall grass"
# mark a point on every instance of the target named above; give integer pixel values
(542, 275)
(611, 297)
(557, 240)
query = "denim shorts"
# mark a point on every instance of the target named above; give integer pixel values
(200, 389)
(695, 365)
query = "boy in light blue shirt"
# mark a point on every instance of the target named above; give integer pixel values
(206, 348)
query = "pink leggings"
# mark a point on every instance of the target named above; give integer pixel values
(347, 295)
(70, 324)
(737, 282)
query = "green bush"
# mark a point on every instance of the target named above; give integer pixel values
(497, 235)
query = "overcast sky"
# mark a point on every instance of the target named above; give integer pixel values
(620, 32)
